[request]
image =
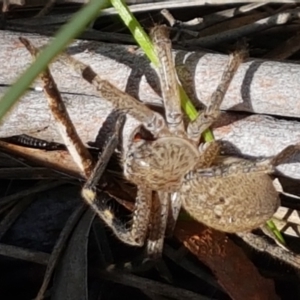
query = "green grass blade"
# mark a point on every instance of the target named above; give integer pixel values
(187, 105)
(136, 29)
(145, 43)
(61, 40)
(272, 227)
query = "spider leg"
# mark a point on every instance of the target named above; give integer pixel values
(206, 118)
(174, 210)
(209, 153)
(106, 154)
(168, 79)
(158, 223)
(151, 120)
(231, 167)
(234, 167)
(136, 234)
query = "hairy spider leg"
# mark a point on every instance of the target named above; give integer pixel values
(173, 212)
(209, 153)
(206, 118)
(168, 79)
(231, 167)
(151, 120)
(108, 150)
(158, 223)
(136, 234)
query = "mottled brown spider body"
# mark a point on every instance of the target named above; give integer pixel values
(236, 203)
(226, 200)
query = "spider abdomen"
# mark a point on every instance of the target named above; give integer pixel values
(160, 164)
(231, 204)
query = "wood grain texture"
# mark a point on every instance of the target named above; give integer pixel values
(261, 87)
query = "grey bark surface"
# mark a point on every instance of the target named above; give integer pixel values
(261, 87)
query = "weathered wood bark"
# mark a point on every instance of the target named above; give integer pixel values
(214, 249)
(259, 86)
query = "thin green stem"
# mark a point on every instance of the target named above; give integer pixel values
(271, 225)
(145, 43)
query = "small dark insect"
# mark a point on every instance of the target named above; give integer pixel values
(28, 141)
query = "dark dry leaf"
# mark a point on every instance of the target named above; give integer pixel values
(70, 282)
(58, 248)
(235, 272)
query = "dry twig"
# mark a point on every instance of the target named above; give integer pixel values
(64, 124)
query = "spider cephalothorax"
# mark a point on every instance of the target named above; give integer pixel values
(160, 164)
